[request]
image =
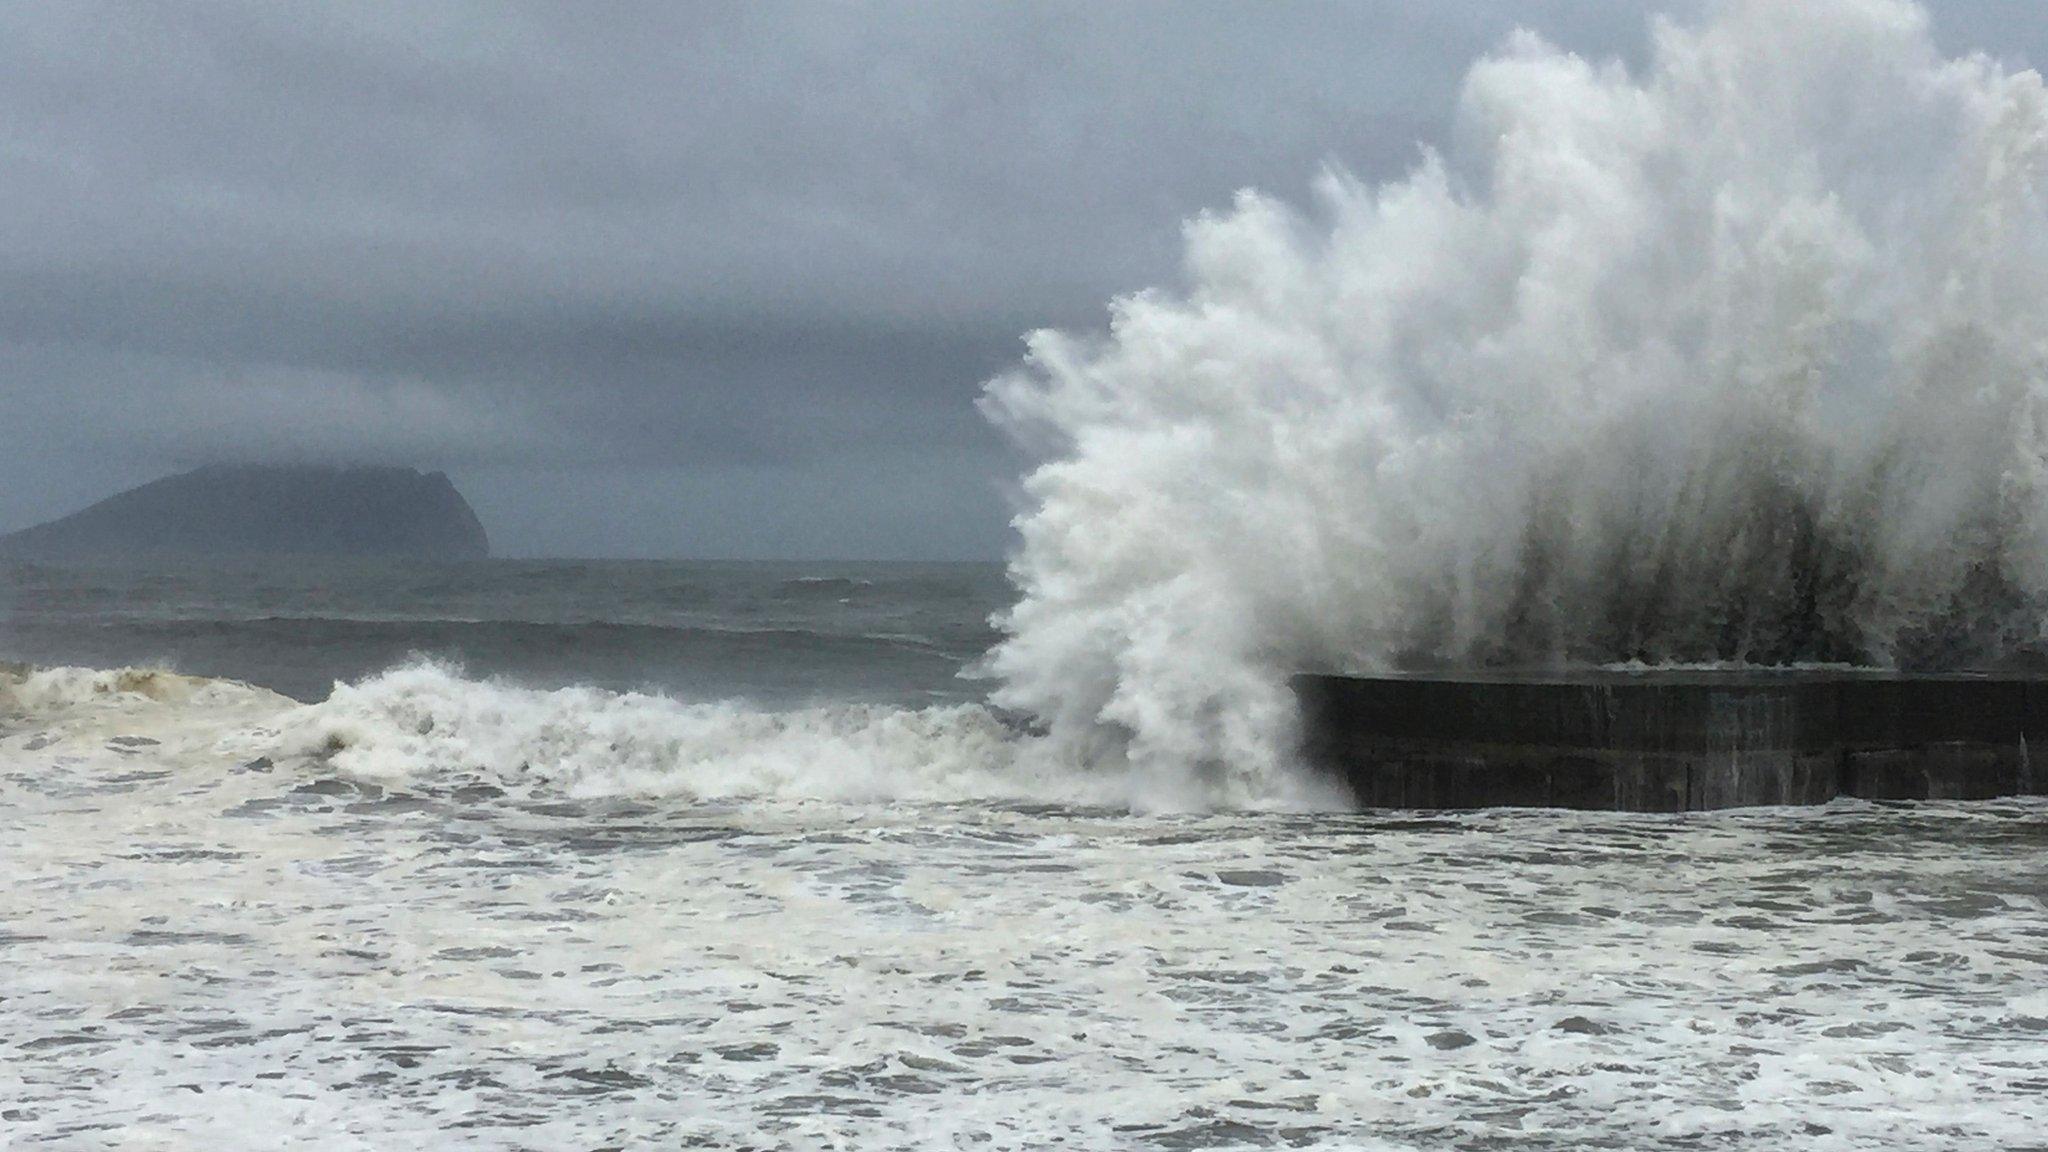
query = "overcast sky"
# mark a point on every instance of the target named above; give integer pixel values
(661, 279)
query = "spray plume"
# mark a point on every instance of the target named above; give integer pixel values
(1737, 359)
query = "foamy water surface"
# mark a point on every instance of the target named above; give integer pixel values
(215, 939)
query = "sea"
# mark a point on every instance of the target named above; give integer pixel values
(588, 855)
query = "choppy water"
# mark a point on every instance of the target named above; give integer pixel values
(443, 911)
(778, 633)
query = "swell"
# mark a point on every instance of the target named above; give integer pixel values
(304, 656)
(433, 630)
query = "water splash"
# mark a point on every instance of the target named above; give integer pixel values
(1740, 358)
(426, 725)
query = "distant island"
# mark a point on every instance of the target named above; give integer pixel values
(256, 510)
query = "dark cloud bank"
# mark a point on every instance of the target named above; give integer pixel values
(652, 279)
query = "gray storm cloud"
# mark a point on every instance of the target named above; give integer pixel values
(648, 279)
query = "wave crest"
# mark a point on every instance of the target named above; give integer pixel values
(426, 723)
(29, 694)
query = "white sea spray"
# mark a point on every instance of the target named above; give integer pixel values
(1738, 358)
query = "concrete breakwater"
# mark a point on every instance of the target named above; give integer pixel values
(1673, 741)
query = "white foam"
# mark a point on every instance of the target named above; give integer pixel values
(28, 693)
(87, 704)
(208, 952)
(427, 722)
(1737, 359)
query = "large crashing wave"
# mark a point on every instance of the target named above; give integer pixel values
(425, 723)
(1737, 359)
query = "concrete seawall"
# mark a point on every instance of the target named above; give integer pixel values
(1671, 742)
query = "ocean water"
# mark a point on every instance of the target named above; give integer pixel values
(775, 633)
(1732, 357)
(523, 855)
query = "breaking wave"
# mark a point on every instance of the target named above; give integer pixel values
(1741, 358)
(426, 724)
(31, 696)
